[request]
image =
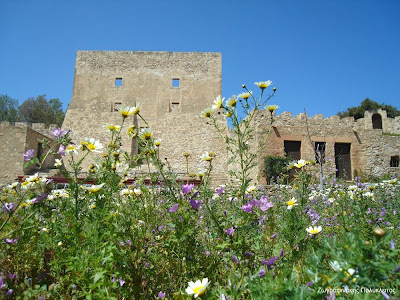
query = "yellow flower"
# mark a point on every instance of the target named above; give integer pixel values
(291, 203)
(197, 288)
(245, 95)
(271, 108)
(217, 103)
(300, 163)
(314, 230)
(157, 142)
(94, 188)
(146, 133)
(92, 145)
(60, 243)
(206, 113)
(71, 149)
(206, 156)
(231, 101)
(126, 111)
(132, 131)
(113, 127)
(263, 84)
(58, 163)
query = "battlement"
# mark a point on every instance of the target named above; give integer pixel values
(371, 120)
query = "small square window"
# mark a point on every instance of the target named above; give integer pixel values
(115, 106)
(175, 82)
(394, 161)
(174, 106)
(118, 81)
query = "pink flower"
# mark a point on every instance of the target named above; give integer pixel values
(230, 231)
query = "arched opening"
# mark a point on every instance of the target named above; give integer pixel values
(376, 121)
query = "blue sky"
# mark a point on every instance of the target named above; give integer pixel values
(323, 56)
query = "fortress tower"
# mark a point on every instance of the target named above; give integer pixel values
(171, 87)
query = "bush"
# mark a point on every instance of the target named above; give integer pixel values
(276, 166)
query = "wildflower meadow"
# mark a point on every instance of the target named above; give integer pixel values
(162, 237)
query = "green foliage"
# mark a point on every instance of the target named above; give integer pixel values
(8, 108)
(276, 166)
(41, 110)
(358, 111)
(111, 240)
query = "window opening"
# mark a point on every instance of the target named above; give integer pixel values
(343, 160)
(292, 149)
(118, 81)
(175, 82)
(115, 106)
(376, 121)
(394, 161)
(175, 106)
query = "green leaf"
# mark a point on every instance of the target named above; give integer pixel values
(98, 276)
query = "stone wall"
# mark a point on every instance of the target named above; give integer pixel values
(15, 140)
(370, 149)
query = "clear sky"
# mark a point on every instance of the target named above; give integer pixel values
(322, 55)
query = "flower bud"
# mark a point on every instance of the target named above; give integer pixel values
(243, 86)
(274, 89)
(379, 232)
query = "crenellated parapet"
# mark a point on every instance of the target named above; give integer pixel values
(42, 128)
(371, 120)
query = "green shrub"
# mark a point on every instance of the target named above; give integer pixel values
(276, 166)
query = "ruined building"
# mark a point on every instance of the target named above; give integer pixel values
(172, 89)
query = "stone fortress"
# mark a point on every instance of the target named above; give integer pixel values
(172, 89)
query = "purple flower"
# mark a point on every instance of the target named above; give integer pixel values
(11, 241)
(386, 296)
(270, 262)
(61, 150)
(248, 254)
(28, 155)
(1, 282)
(161, 295)
(230, 231)
(121, 282)
(113, 279)
(11, 276)
(235, 259)
(187, 188)
(208, 253)
(274, 235)
(247, 207)
(9, 292)
(310, 283)
(264, 204)
(121, 244)
(9, 207)
(174, 208)
(220, 190)
(393, 244)
(195, 203)
(261, 273)
(129, 242)
(397, 269)
(281, 253)
(41, 297)
(40, 198)
(57, 133)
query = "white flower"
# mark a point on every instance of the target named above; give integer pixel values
(250, 189)
(314, 230)
(335, 265)
(271, 108)
(138, 192)
(300, 163)
(291, 203)
(197, 288)
(60, 243)
(45, 229)
(206, 113)
(263, 84)
(146, 133)
(245, 95)
(127, 111)
(92, 144)
(157, 142)
(206, 156)
(217, 103)
(71, 149)
(58, 163)
(231, 101)
(94, 188)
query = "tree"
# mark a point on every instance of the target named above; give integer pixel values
(41, 110)
(358, 111)
(8, 108)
